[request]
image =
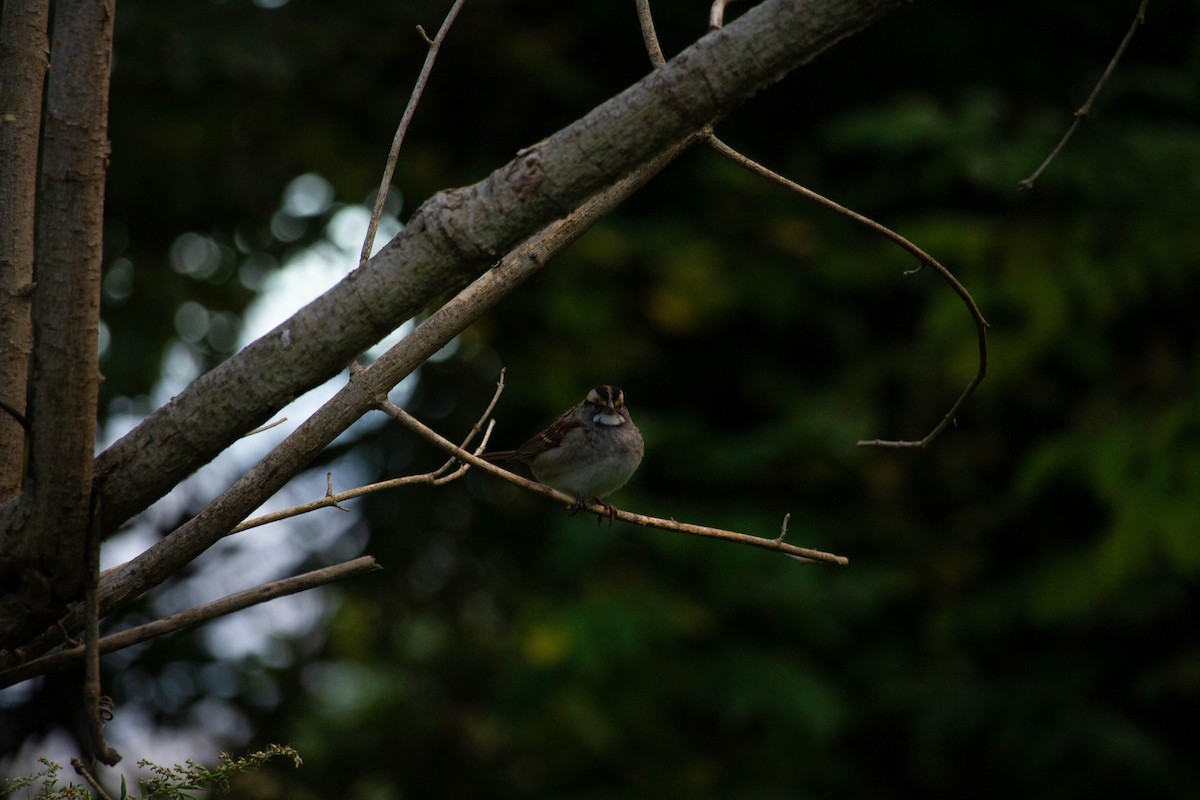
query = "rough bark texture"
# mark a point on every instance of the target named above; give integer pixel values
(458, 233)
(23, 65)
(46, 526)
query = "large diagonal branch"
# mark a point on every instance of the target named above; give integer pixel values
(458, 233)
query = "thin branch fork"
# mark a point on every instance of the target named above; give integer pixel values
(452, 470)
(775, 544)
(449, 471)
(442, 475)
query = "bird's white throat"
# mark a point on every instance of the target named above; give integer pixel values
(609, 419)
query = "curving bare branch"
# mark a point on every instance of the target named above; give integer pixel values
(981, 324)
(717, 20)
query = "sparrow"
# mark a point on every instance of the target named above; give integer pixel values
(589, 452)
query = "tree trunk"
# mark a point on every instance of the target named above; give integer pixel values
(45, 566)
(23, 65)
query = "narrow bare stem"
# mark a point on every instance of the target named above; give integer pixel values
(266, 427)
(783, 527)
(91, 646)
(82, 770)
(192, 616)
(1085, 110)
(646, 20)
(716, 14)
(776, 544)
(385, 183)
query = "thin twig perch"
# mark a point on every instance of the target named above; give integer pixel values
(776, 544)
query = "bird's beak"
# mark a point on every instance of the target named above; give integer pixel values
(611, 416)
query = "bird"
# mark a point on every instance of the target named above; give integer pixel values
(589, 452)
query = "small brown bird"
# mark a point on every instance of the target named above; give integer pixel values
(590, 451)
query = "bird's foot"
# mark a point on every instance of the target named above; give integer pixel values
(610, 511)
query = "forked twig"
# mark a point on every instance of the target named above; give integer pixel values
(1085, 110)
(452, 470)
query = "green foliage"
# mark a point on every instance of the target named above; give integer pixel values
(45, 783)
(179, 782)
